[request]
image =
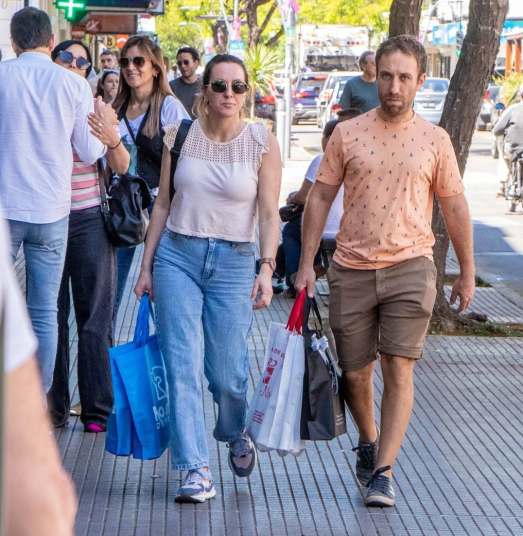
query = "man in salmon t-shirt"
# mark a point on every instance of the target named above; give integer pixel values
(383, 279)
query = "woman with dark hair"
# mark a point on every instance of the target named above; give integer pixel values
(107, 86)
(89, 269)
(145, 106)
(202, 243)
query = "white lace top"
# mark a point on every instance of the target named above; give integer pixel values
(217, 183)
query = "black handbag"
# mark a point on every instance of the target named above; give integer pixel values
(123, 207)
(291, 211)
(323, 408)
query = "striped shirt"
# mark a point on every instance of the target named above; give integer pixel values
(85, 191)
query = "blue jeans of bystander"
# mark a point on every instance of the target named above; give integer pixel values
(44, 247)
(202, 290)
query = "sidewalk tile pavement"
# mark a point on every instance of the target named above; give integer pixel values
(459, 471)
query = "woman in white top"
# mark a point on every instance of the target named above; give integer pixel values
(204, 286)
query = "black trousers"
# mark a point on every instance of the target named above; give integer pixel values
(90, 270)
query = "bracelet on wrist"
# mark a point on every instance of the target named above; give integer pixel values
(270, 261)
(115, 146)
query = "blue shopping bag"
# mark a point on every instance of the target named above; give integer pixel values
(120, 423)
(140, 367)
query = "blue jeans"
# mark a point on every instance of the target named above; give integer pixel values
(202, 290)
(291, 243)
(44, 250)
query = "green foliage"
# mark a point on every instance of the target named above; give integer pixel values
(261, 63)
(372, 14)
(509, 87)
(178, 27)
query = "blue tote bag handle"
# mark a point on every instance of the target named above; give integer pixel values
(141, 330)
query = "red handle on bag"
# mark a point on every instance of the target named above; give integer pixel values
(295, 322)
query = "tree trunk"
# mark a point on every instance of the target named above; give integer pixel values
(462, 105)
(250, 10)
(404, 17)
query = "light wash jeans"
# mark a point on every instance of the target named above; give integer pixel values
(44, 250)
(202, 289)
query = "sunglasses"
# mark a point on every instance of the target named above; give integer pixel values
(182, 62)
(137, 61)
(67, 58)
(220, 86)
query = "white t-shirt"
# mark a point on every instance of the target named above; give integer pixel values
(19, 342)
(332, 226)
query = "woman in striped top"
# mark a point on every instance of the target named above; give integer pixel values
(89, 270)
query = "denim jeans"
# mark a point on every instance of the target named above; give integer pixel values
(90, 270)
(202, 290)
(44, 246)
(291, 243)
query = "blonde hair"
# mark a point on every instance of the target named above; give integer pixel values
(161, 88)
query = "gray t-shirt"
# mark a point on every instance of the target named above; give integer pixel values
(186, 92)
(360, 94)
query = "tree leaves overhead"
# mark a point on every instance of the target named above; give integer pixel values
(370, 13)
(179, 25)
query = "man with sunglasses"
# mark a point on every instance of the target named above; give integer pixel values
(44, 109)
(188, 84)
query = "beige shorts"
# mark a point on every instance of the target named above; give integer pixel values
(386, 310)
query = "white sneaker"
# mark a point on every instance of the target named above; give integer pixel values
(197, 487)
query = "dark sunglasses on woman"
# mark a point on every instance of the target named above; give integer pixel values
(220, 86)
(67, 58)
(137, 61)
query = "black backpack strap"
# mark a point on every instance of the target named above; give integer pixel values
(181, 135)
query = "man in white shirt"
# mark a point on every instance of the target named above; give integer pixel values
(39, 495)
(43, 110)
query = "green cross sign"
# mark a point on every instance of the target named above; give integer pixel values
(70, 7)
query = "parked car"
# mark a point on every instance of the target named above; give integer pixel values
(306, 90)
(333, 106)
(430, 99)
(326, 93)
(489, 113)
(265, 104)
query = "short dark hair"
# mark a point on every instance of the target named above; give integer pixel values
(64, 45)
(109, 52)
(363, 58)
(329, 127)
(348, 113)
(189, 50)
(406, 44)
(31, 28)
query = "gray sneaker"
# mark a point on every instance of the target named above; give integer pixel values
(367, 454)
(380, 491)
(242, 455)
(197, 487)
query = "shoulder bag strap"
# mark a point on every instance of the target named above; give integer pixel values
(181, 135)
(104, 198)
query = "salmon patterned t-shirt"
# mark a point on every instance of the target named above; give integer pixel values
(390, 172)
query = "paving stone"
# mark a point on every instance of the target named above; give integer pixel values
(459, 471)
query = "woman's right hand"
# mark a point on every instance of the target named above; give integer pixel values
(144, 284)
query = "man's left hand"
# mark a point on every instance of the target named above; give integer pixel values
(464, 288)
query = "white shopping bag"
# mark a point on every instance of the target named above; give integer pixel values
(274, 415)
